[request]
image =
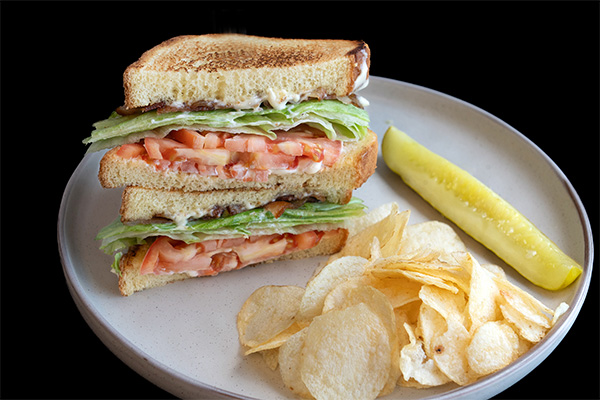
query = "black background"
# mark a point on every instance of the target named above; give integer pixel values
(533, 65)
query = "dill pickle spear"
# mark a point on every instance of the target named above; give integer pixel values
(479, 211)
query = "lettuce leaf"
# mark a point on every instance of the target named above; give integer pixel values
(339, 121)
(117, 236)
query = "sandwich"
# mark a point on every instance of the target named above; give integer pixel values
(234, 150)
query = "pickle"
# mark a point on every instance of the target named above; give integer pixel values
(479, 211)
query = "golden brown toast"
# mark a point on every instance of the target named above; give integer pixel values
(240, 71)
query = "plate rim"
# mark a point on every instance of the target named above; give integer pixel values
(118, 343)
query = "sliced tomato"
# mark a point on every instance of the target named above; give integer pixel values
(167, 256)
(238, 143)
(214, 140)
(291, 148)
(257, 144)
(157, 148)
(250, 158)
(133, 150)
(268, 161)
(307, 240)
(188, 137)
(223, 262)
(201, 156)
(263, 248)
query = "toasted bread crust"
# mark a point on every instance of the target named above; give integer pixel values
(335, 183)
(235, 70)
(131, 281)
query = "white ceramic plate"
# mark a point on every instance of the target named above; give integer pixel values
(183, 336)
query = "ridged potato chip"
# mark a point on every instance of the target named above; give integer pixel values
(267, 312)
(346, 354)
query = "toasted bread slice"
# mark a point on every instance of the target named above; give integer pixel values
(142, 204)
(240, 71)
(334, 184)
(131, 281)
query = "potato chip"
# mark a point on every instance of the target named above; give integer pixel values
(496, 270)
(493, 346)
(483, 305)
(289, 364)
(402, 318)
(399, 305)
(375, 249)
(399, 291)
(389, 232)
(276, 340)
(411, 310)
(449, 305)
(522, 302)
(430, 265)
(414, 363)
(431, 236)
(415, 276)
(354, 292)
(524, 327)
(271, 358)
(267, 312)
(346, 354)
(430, 325)
(372, 217)
(329, 277)
(560, 310)
(450, 353)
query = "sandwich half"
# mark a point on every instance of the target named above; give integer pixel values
(229, 111)
(234, 150)
(156, 253)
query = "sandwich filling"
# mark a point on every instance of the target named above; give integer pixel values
(253, 235)
(168, 256)
(336, 120)
(244, 157)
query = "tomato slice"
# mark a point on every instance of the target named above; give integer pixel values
(202, 156)
(250, 158)
(188, 137)
(133, 150)
(307, 240)
(167, 256)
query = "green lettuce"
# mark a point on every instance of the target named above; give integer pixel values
(339, 121)
(118, 236)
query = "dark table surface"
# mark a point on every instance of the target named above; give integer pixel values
(533, 65)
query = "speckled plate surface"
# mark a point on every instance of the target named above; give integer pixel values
(183, 336)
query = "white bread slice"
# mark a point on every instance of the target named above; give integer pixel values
(335, 184)
(143, 204)
(131, 281)
(240, 71)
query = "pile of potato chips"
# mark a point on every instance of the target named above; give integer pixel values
(399, 305)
